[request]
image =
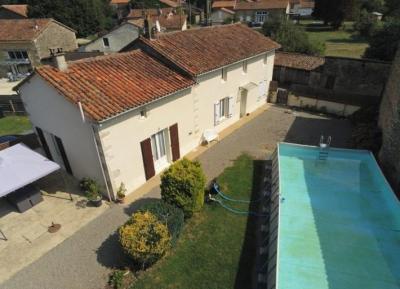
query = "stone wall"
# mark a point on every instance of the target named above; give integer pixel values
(389, 122)
(357, 82)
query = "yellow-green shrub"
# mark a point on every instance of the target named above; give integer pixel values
(183, 185)
(144, 238)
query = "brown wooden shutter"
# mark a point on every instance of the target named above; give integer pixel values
(173, 133)
(147, 155)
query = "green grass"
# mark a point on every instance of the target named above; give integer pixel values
(343, 42)
(14, 125)
(216, 248)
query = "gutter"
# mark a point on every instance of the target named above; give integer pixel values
(140, 106)
(98, 146)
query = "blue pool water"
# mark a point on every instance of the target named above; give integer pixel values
(339, 221)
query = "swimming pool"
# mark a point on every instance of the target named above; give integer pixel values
(338, 221)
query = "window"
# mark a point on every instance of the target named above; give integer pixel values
(158, 146)
(223, 109)
(224, 74)
(261, 16)
(244, 66)
(18, 54)
(106, 42)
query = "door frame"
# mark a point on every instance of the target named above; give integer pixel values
(243, 102)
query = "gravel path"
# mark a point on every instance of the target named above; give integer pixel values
(84, 260)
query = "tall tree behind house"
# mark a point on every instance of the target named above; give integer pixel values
(331, 12)
(85, 16)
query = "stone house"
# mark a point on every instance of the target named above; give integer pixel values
(259, 11)
(24, 43)
(121, 7)
(14, 11)
(302, 8)
(222, 11)
(127, 116)
(114, 40)
(389, 122)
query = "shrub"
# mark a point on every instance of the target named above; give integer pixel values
(91, 188)
(121, 191)
(167, 214)
(365, 24)
(144, 238)
(117, 279)
(183, 185)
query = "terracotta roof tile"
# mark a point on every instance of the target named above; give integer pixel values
(261, 4)
(138, 13)
(21, 9)
(109, 85)
(120, 1)
(201, 50)
(223, 4)
(22, 29)
(298, 61)
(171, 3)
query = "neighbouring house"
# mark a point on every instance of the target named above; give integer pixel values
(389, 122)
(302, 8)
(121, 7)
(332, 84)
(24, 43)
(259, 11)
(162, 20)
(222, 11)
(125, 117)
(114, 40)
(14, 11)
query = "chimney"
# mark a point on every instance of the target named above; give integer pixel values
(59, 61)
(147, 27)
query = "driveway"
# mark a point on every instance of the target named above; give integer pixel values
(85, 259)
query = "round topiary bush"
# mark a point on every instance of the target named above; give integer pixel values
(167, 214)
(183, 185)
(144, 238)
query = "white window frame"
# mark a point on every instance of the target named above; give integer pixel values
(223, 109)
(13, 54)
(260, 16)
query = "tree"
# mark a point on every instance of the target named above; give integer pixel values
(392, 8)
(365, 24)
(292, 37)
(85, 16)
(331, 12)
(384, 42)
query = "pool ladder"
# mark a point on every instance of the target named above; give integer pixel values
(324, 148)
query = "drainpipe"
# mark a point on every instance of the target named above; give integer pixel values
(106, 177)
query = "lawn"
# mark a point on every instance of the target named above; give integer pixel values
(14, 125)
(216, 248)
(343, 42)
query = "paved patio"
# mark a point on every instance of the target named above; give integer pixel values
(85, 259)
(27, 233)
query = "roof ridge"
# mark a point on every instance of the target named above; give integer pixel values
(104, 57)
(163, 35)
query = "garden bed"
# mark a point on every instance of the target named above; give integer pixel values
(216, 248)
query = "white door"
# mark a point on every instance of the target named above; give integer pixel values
(159, 150)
